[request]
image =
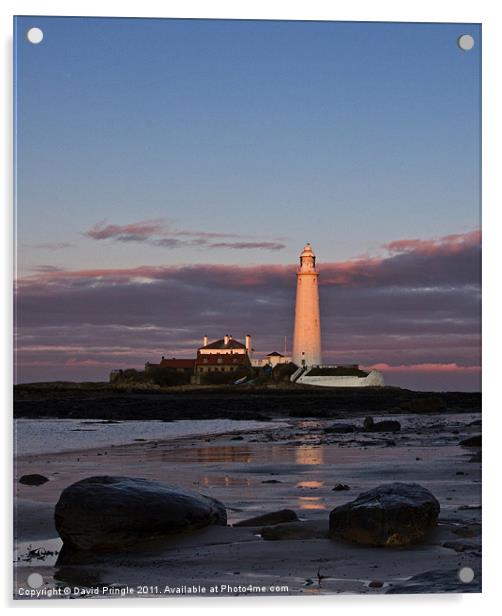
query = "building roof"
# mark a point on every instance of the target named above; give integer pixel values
(274, 354)
(222, 359)
(220, 344)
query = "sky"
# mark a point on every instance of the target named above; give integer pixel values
(169, 172)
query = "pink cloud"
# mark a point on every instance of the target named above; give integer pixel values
(74, 362)
(448, 243)
(160, 232)
(448, 368)
(141, 230)
(406, 261)
(412, 312)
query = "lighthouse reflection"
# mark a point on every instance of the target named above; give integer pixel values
(311, 502)
(309, 454)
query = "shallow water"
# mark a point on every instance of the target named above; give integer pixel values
(55, 435)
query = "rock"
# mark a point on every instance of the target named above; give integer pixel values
(392, 514)
(472, 441)
(375, 584)
(462, 546)
(33, 480)
(476, 457)
(436, 582)
(388, 425)
(468, 531)
(269, 519)
(271, 481)
(100, 513)
(340, 428)
(295, 530)
(424, 405)
(338, 487)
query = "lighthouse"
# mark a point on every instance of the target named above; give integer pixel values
(307, 334)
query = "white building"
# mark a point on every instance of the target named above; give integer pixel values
(272, 359)
(338, 376)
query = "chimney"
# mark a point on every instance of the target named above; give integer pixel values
(248, 344)
(204, 341)
(225, 339)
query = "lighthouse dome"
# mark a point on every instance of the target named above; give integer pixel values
(307, 251)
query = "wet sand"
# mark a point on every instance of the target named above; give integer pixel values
(294, 467)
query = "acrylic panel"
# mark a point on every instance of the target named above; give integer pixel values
(247, 308)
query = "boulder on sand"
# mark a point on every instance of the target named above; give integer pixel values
(339, 487)
(472, 441)
(103, 513)
(33, 480)
(269, 519)
(393, 514)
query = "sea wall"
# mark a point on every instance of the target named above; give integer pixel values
(374, 379)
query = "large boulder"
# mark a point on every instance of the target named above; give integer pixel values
(102, 513)
(392, 514)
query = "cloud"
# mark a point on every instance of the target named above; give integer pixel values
(452, 367)
(160, 232)
(248, 245)
(448, 243)
(413, 309)
(139, 230)
(53, 246)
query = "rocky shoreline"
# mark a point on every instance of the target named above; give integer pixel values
(106, 402)
(294, 476)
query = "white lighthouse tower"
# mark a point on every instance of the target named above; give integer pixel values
(307, 335)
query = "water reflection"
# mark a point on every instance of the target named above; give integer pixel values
(301, 454)
(309, 454)
(311, 502)
(310, 484)
(224, 481)
(214, 453)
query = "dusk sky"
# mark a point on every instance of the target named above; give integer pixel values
(169, 173)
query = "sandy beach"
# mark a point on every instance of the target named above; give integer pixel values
(257, 471)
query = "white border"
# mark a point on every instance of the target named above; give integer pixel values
(481, 11)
